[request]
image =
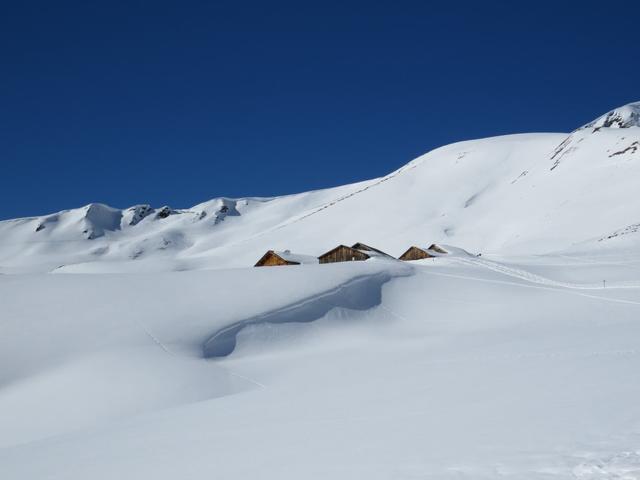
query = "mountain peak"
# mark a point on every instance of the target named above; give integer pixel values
(622, 117)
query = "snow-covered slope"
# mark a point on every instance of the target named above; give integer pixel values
(531, 193)
(162, 363)
(454, 368)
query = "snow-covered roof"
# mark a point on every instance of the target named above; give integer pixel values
(369, 250)
(372, 253)
(446, 250)
(296, 257)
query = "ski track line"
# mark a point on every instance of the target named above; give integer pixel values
(550, 288)
(373, 184)
(633, 264)
(324, 206)
(393, 314)
(250, 380)
(155, 339)
(539, 279)
(158, 342)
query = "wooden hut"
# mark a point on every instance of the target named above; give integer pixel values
(342, 253)
(273, 259)
(418, 253)
(356, 252)
(415, 253)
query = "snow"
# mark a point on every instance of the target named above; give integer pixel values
(156, 351)
(373, 253)
(457, 370)
(296, 257)
(623, 117)
(518, 194)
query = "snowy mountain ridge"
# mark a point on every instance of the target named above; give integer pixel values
(622, 117)
(526, 193)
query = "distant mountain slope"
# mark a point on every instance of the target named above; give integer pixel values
(530, 193)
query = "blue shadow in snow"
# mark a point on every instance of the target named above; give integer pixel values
(360, 293)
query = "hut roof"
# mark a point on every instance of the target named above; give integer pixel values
(287, 256)
(434, 247)
(433, 250)
(364, 252)
(416, 253)
(364, 248)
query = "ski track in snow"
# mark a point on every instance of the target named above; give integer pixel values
(524, 285)
(538, 279)
(326, 205)
(166, 349)
(349, 195)
(155, 339)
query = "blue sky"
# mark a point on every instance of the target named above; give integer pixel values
(179, 102)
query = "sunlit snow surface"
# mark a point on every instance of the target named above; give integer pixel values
(130, 350)
(464, 368)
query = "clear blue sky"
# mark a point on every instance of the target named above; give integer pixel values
(179, 102)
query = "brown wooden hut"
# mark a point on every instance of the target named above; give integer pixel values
(415, 253)
(418, 253)
(356, 252)
(342, 253)
(273, 259)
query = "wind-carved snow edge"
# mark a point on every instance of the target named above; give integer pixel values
(363, 292)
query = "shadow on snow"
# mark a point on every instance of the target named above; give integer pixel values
(360, 293)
